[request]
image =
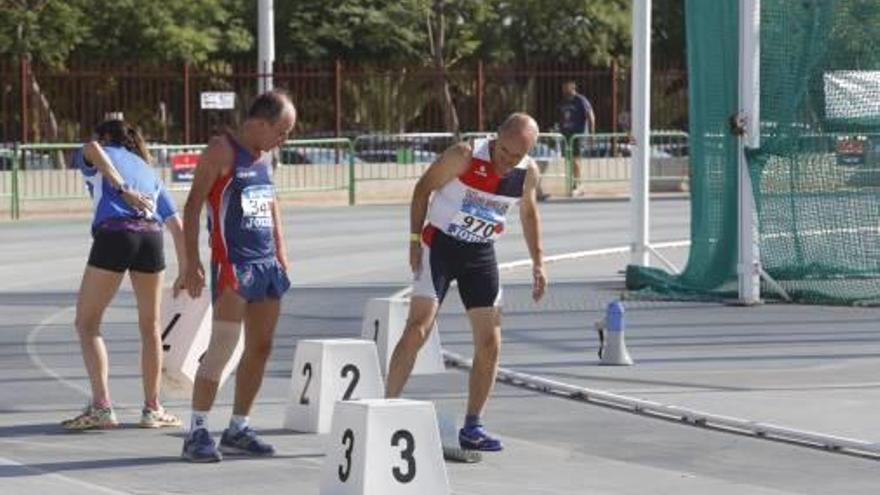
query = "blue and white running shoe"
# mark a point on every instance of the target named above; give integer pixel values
(199, 447)
(477, 438)
(245, 442)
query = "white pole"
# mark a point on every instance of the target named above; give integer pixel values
(749, 260)
(641, 129)
(266, 44)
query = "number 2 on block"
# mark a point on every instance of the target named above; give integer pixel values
(307, 371)
(350, 369)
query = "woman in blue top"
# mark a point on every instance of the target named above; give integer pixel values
(131, 206)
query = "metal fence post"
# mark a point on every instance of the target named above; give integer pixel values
(569, 164)
(14, 210)
(351, 174)
(25, 75)
(186, 109)
(481, 83)
(337, 96)
(613, 99)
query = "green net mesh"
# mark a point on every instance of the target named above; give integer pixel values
(712, 79)
(816, 174)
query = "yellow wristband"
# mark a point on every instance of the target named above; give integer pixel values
(415, 237)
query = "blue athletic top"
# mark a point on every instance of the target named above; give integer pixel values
(142, 178)
(573, 114)
(240, 210)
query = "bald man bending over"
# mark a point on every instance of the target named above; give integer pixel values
(459, 208)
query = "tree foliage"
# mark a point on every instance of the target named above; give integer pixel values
(527, 30)
(361, 31)
(48, 30)
(54, 31)
(494, 30)
(356, 30)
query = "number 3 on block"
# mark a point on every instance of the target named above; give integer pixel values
(401, 439)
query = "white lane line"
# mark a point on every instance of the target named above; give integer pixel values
(40, 282)
(587, 254)
(61, 478)
(34, 354)
(16, 266)
(510, 265)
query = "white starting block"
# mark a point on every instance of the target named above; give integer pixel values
(186, 332)
(384, 322)
(324, 372)
(384, 446)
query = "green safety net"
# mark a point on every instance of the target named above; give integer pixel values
(816, 174)
(712, 51)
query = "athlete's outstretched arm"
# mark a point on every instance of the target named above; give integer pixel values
(446, 168)
(216, 158)
(175, 228)
(531, 224)
(280, 245)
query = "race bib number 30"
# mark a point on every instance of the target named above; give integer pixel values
(256, 207)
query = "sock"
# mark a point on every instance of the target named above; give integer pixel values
(472, 420)
(238, 423)
(198, 419)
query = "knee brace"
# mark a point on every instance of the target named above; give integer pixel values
(224, 338)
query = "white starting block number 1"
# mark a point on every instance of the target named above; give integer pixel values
(384, 447)
(384, 322)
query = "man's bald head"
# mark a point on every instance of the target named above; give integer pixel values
(516, 136)
(270, 120)
(519, 123)
(271, 106)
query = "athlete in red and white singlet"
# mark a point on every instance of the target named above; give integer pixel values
(459, 209)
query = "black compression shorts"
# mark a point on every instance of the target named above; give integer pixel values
(472, 264)
(121, 250)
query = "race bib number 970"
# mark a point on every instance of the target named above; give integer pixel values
(256, 207)
(475, 228)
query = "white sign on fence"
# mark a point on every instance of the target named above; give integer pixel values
(218, 100)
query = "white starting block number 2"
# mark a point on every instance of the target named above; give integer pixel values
(347, 370)
(384, 446)
(326, 371)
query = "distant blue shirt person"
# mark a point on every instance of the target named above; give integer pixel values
(575, 111)
(138, 176)
(576, 117)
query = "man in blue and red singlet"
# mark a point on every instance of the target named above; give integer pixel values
(248, 269)
(452, 237)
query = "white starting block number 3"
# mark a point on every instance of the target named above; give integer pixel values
(388, 447)
(402, 439)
